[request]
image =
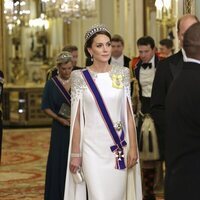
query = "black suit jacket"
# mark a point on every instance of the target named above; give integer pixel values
(183, 135)
(167, 70)
(126, 61)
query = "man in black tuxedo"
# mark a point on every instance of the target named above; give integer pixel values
(166, 72)
(183, 124)
(144, 68)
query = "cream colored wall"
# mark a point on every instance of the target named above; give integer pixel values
(197, 8)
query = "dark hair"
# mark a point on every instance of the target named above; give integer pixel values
(186, 17)
(88, 43)
(146, 40)
(167, 42)
(70, 48)
(117, 38)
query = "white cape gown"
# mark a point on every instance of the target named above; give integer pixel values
(104, 181)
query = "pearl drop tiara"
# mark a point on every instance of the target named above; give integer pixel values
(95, 29)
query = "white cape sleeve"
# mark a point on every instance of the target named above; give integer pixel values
(75, 191)
(134, 185)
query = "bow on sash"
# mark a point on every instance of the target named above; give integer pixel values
(64, 92)
(119, 142)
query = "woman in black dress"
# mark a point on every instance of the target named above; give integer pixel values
(56, 104)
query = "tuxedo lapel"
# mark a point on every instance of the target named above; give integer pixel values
(176, 67)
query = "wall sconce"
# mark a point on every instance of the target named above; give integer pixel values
(165, 15)
(164, 11)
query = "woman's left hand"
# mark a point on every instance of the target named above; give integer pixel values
(132, 158)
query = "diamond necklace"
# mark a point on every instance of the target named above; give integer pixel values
(63, 81)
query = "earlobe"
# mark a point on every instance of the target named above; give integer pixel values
(89, 50)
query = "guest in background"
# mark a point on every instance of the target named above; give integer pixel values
(166, 48)
(74, 52)
(144, 68)
(168, 69)
(183, 124)
(117, 56)
(56, 104)
(166, 72)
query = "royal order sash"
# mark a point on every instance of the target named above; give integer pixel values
(63, 91)
(119, 142)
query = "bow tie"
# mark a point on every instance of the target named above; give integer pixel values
(145, 65)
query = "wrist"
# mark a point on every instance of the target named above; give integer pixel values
(75, 155)
(57, 118)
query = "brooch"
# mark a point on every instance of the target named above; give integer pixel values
(118, 126)
(117, 81)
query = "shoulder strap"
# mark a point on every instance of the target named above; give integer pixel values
(63, 91)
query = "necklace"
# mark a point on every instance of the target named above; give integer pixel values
(63, 81)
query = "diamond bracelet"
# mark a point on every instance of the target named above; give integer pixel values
(75, 155)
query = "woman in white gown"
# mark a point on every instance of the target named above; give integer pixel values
(111, 169)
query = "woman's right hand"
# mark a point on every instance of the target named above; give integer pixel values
(75, 164)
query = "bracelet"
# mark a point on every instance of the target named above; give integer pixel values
(75, 155)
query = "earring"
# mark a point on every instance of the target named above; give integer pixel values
(91, 58)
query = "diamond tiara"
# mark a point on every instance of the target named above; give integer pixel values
(63, 57)
(95, 29)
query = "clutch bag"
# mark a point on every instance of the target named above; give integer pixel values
(65, 111)
(78, 177)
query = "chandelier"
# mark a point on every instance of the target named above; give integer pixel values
(16, 12)
(69, 9)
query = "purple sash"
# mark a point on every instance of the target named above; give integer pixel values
(63, 91)
(119, 142)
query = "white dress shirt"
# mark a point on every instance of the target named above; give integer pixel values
(117, 61)
(146, 78)
(187, 59)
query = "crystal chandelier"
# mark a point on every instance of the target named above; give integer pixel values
(16, 12)
(69, 9)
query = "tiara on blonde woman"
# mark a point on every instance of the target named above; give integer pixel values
(95, 29)
(63, 56)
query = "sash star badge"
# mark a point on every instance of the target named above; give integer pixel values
(117, 81)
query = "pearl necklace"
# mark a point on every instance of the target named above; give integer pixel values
(63, 81)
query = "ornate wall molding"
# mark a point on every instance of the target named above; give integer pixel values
(188, 6)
